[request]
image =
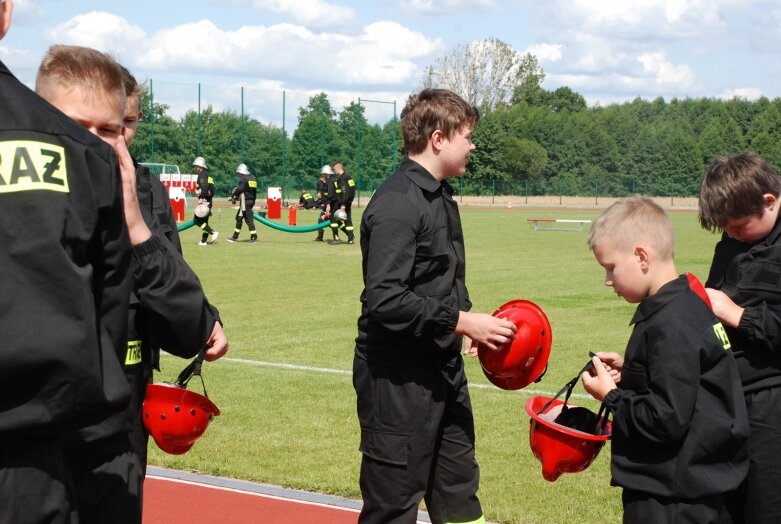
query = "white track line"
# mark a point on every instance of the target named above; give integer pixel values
(331, 371)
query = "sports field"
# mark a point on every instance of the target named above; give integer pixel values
(290, 307)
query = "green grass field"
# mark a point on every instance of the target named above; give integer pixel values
(290, 307)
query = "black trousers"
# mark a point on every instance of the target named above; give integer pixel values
(245, 216)
(109, 480)
(417, 441)
(758, 499)
(36, 483)
(203, 223)
(347, 225)
(642, 508)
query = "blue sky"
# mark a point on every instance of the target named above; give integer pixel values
(610, 51)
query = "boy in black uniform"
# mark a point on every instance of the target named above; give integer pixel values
(206, 190)
(739, 196)
(680, 429)
(180, 321)
(245, 193)
(323, 190)
(346, 195)
(167, 307)
(65, 284)
(418, 443)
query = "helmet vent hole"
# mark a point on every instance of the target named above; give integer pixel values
(177, 409)
(193, 412)
(162, 416)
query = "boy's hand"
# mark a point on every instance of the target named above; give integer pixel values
(469, 348)
(724, 308)
(481, 328)
(136, 227)
(217, 345)
(613, 363)
(597, 381)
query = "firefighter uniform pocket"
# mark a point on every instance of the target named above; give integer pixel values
(390, 406)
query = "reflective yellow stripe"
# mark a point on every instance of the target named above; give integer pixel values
(252, 183)
(133, 355)
(351, 183)
(481, 520)
(721, 334)
(26, 165)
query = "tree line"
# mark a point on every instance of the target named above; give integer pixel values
(529, 139)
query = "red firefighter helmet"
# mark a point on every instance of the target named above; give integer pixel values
(523, 361)
(560, 448)
(176, 417)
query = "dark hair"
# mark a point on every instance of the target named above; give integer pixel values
(434, 109)
(733, 187)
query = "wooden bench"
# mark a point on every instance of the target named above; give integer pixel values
(550, 224)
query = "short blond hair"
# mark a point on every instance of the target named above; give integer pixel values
(631, 221)
(68, 66)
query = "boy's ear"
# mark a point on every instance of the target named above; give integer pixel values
(642, 254)
(770, 200)
(437, 137)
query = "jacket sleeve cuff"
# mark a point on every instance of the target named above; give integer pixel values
(147, 247)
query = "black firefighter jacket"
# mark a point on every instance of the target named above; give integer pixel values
(64, 280)
(413, 269)
(751, 276)
(679, 419)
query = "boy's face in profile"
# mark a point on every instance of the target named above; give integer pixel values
(454, 152)
(624, 271)
(132, 117)
(102, 114)
(753, 228)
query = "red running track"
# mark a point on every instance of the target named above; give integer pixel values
(172, 497)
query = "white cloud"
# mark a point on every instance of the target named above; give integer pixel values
(640, 19)
(439, 7)
(652, 75)
(747, 93)
(546, 52)
(104, 31)
(667, 76)
(382, 53)
(315, 13)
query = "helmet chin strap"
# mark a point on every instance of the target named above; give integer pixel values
(568, 387)
(192, 369)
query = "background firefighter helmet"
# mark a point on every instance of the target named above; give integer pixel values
(340, 214)
(176, 417)
(326, 170)
(559, 447)
(200, 162)
(242, 169)
(524, 360)
(202, 210)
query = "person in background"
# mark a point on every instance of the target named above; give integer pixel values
(331, 197)
(307, 201)
(415, 414)
(67, 270)
(739, 196)
(322, 198)
(167, 306)
(245, 194)
(680, 428)
(206, 190)
(346, 194)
